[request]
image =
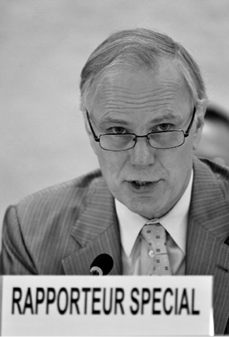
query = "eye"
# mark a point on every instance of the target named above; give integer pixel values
(163, 127)
(118, 130)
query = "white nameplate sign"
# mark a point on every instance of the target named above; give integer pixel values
(106, 305)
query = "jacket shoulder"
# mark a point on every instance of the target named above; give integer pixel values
(73, 191)
(37, 231)
(217, 172)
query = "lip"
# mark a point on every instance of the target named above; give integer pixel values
(141, 185)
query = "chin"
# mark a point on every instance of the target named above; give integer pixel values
(142, 209)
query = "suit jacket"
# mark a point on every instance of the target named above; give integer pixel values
(60, 230)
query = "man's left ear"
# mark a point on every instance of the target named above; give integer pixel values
(199, 122)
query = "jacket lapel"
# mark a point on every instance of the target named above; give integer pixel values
(96, 231)
(207, 253)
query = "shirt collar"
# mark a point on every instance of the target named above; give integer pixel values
(175, 222)
(130, 225)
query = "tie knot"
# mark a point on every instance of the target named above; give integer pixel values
(151, 230)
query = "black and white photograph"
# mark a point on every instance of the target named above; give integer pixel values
(114, 174)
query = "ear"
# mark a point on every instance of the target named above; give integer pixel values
(87, 127)
(90, 135)
(199, 122)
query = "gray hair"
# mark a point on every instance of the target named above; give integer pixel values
(139, 48)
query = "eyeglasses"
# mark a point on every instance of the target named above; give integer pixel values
(158, 140)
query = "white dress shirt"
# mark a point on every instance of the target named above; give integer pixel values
(175, 222)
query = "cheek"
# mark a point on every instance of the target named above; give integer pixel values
(177, 163)
(111, 164)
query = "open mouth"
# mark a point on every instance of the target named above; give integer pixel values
(141, 184)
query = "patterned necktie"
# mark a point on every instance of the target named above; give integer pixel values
(154, 258)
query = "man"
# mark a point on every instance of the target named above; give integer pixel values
(214, 143)
(143, 100)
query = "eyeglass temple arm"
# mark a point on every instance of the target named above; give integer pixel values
(186, 134)
(92, 130)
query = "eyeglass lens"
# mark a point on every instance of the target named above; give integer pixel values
(163, 140)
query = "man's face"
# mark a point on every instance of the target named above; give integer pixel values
(148, 181)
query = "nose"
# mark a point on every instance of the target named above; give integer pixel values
(142, 154)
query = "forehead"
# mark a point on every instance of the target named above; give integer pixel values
(154, 90)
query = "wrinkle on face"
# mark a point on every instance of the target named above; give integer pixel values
(138, 101)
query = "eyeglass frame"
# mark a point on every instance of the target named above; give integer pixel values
(185, 133)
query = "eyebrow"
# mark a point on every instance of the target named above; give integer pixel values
(113, 120)
(108, 120)
(169, 117)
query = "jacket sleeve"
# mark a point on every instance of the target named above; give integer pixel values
(15, 258)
